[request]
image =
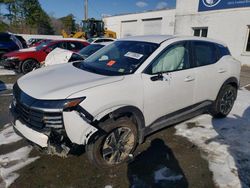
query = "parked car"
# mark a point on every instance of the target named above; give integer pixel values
(33, 41)
(8, 43)
(26, 60)
(100, 39)
(58, 55)
(127, 90)
(22, 40)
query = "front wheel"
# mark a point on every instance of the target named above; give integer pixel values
(28, 65)
(115, 146)
(224, 102)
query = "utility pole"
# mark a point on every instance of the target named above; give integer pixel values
(85, 9)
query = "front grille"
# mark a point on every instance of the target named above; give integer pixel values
(39, 119)
(33, 117)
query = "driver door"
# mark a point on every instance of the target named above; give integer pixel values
(168, 82)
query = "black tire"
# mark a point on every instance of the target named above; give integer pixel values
(224, 102)
(115, 146)
(28, 65)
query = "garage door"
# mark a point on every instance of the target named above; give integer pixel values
(129, 28)
(152, 26)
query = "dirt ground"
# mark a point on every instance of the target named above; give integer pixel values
(163, 149)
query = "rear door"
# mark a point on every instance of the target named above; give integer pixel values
(211, 71)
(168, 82)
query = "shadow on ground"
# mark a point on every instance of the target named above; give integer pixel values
(156, 167)
(235, 133)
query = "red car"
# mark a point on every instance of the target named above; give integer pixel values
(26, 60)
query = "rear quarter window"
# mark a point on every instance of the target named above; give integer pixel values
(223, 51)
(204, 53)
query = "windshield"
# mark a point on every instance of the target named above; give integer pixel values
(43, 44)
(118, 58)
(89, 50)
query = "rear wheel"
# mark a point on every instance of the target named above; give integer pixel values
(114, 147)
(28, 65)
(224, 102)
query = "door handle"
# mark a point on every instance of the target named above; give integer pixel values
(221, 70)
(189, 79)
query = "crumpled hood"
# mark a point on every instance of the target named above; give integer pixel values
(60, 81)
(58, 56)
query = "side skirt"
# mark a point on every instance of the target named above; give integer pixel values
(178, 116)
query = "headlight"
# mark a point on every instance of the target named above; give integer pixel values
(58, 104)
(12, 58)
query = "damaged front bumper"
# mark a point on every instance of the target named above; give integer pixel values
(10, 63)
(58, 141)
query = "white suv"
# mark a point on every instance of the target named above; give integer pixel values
(127, 90)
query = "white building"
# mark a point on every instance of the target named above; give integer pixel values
(146, 23)
(225, 20)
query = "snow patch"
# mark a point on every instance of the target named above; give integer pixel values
(11, 162)
(8, 135)
(166, 174)
(225, 142)
(6, 72)
(108, 186)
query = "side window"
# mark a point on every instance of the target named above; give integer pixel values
(4, 39)
(58, 45)
(223, 50)
(205, 53)
(75, 46)
(173, 58)
(103, 40)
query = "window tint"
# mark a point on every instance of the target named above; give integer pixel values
(89, 50)
(75, 45)
(5, 38)
(62, 45)
(174, 58)
(205, 53)
(223, 51)
(119, 58)
(103, 40)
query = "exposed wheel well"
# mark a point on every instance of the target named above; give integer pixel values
(235, 85)
(131, 112)
(232, 81)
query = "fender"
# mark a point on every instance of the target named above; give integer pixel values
(137, 114)
(231, 80)
(81, 134)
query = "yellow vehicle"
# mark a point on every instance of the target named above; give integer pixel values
(91, 28)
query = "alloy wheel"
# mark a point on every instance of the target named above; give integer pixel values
(118, 145)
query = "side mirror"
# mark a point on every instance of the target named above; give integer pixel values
(157, 77)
